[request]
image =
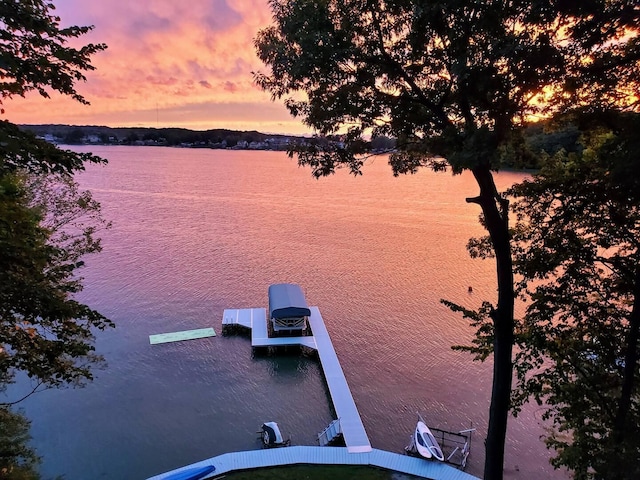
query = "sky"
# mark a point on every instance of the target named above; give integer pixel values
(169, 63)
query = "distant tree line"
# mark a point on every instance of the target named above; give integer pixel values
(541, 137)
(220, 138)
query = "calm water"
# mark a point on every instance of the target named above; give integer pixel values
(198, 231)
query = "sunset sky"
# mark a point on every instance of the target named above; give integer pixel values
(169, 63)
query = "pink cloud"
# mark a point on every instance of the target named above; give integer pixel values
(161, 80)
(161, 53)
(230, 86)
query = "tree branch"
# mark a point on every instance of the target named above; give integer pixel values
(415, 89)
(35, 390)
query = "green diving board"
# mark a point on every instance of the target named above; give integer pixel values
(179, 336)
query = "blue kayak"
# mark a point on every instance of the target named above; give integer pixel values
(191, 473)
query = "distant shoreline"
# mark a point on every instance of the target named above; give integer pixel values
(162, 137)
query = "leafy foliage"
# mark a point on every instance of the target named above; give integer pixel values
(46, 224)
(22, 150)
(576, 250)
(43, 330)
(580, 265)
(445, 78)
(17, 460)
(34, 54)
(481, 320)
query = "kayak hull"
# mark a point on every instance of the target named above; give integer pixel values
(426, 444)
(195, 473)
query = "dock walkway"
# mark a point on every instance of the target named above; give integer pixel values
(272, 457)
(353, 432)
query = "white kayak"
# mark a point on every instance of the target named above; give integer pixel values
(426, 443)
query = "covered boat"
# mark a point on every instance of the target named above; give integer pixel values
(288, 309)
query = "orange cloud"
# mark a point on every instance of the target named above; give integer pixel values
(180, 58)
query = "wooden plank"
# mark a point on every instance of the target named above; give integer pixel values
(180, 336)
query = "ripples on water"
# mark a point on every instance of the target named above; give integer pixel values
(198, 231)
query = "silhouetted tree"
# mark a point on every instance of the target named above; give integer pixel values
(44, 332)
(577, 247)
(453, 81)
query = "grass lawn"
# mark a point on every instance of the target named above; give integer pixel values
(317, 472)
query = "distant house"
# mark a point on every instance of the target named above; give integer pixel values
(257, 146)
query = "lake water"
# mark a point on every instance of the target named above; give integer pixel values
(198, 231)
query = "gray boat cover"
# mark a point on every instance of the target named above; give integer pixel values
(286, 300)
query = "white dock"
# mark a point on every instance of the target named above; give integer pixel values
(353, 432)
(242, 316)
(256, 320)
(272, 457)
(358, 450)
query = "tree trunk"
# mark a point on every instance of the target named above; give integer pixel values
(630, 363)
(496, 216)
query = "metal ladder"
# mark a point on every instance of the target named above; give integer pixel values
(331, 432)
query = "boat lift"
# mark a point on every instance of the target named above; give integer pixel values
(456, 446)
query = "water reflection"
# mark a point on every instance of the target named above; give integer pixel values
(198, 231)
(286, 363)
